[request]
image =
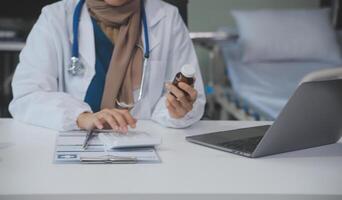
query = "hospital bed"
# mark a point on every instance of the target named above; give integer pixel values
(260, 90)
(251, 91)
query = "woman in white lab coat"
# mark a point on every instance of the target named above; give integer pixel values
(47, 95)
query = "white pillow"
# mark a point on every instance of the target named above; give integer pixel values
(276, 35)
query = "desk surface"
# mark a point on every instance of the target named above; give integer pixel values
(27, 169)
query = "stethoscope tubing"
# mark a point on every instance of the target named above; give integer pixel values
(75, 26)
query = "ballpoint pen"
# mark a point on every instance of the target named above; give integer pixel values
(87, 139)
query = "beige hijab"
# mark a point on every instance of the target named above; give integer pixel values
(122, 25)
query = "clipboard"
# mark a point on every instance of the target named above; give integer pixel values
(68, 150)
(108, 160)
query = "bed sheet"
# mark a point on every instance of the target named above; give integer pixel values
(267, 86)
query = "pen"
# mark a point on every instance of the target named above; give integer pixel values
(87, 139)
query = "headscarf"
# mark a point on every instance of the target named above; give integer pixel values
(122, 24)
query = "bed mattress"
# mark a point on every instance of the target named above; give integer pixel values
(267, 86)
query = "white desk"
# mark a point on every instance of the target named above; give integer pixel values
(187, 171)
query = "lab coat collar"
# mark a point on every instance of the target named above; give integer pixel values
(154, 13)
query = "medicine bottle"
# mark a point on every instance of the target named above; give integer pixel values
(186, 75)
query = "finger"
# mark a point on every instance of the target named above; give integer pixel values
(189, 90)
(97, 123)
(121, 120)
(128, 117)
(173, 101)
(100, 118)
(176, 104)
(170, 107)
(110, 120)
(186, 103)
(172, 110)
(175, 91)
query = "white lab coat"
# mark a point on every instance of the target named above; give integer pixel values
(45, 94)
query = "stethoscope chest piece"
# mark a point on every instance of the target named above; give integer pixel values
(76, 67)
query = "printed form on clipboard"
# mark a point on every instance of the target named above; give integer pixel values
(107, 147)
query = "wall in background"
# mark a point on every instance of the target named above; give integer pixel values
(209, 15)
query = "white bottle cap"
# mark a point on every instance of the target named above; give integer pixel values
(188, 71)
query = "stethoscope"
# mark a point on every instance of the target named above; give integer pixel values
(76, 68)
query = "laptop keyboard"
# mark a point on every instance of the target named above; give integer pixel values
(246, 145)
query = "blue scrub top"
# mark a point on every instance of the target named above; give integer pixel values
(103, 51)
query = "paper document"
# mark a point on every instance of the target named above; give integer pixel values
(69, 150)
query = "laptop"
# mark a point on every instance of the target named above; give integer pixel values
(312, 117)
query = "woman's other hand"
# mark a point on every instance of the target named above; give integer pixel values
(180, 100)
(116, 119)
